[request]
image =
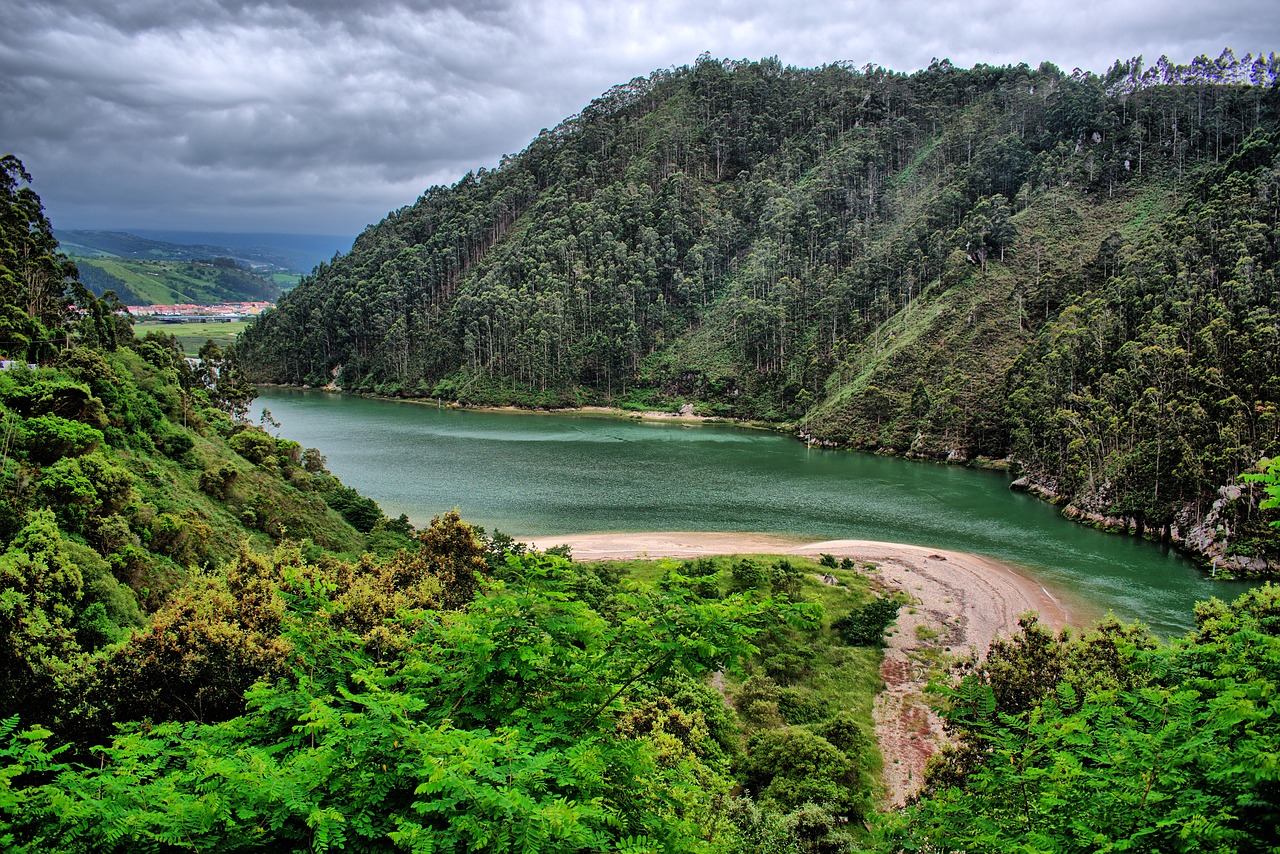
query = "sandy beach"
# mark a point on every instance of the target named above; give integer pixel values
(963, 600)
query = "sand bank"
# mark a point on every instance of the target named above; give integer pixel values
(962, 600)
(974, 596)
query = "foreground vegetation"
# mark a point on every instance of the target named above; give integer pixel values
(1077, 272)
(457, 698)
(1110, 741)
(448, 700)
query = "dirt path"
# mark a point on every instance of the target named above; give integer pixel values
(959, 602)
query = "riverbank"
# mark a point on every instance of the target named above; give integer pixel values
(685, 415)
(1206, 537)
(959, 603)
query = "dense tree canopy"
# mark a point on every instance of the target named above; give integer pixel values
(34, 274)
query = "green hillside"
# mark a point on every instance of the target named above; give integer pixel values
(126, 476)
(142, 282)
(120, 244)
(957, 263)
(289, 254)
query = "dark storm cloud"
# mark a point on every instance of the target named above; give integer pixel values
(322, 116)
(146, 108)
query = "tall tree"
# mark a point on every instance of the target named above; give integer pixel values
(34, 274)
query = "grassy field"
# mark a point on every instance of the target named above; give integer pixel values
(169, 282)
(286, 280)
(193, 335)
(156, 282)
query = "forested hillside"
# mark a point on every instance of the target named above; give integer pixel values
(125, 473)
(1075, 271)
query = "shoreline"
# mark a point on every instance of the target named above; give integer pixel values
(986, 595)
(606, 412)
(959, 602)
(682, 417)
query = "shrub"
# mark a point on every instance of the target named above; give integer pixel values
(50, 437)
(757, 702)
(289, 452)
(77, 488)
(361, 513)
(254, 445)
(746, 574)
(176, 445)
(217, 482)
(792, 766)
(844, 732)
(799, 706)
(865, 626)
(110, 608)
(184, 538)
(784, 579)
(314, 462)
(817, 830)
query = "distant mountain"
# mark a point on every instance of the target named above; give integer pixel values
(294, 253)
(306, 250)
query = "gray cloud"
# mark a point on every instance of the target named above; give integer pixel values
(322, 116)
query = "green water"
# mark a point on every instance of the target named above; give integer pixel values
(537, 475)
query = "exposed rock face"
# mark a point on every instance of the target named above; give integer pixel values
(813, 442)
(1046, 489)
(1208, 537)
(1119, 524)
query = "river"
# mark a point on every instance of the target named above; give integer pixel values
(537, 475)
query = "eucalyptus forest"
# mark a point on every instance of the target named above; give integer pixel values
(209, 643)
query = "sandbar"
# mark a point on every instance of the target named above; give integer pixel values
(962, 600)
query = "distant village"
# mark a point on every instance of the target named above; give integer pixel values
(185, 313)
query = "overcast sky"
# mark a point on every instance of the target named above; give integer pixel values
(320, 116)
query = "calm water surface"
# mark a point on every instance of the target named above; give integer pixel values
(537, 475)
